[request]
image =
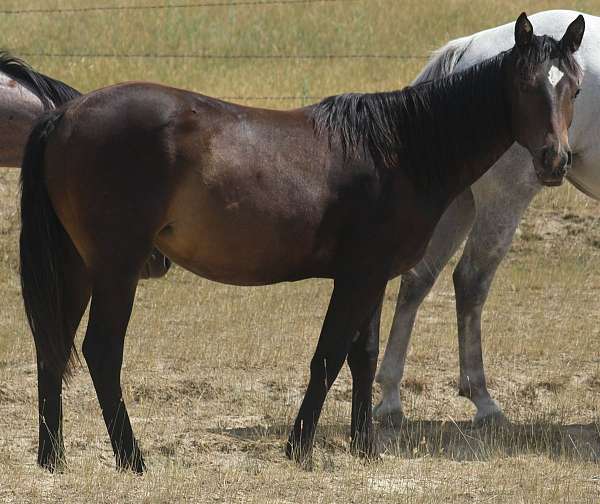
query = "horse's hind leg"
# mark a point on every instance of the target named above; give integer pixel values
(416, 284)
(113, 293)
(362, 360)
(76, 296)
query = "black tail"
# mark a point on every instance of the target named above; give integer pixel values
(41, 248)
(51, 92)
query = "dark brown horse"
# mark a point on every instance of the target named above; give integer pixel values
(348, 189)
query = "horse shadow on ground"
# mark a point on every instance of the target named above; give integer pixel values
(458, 441)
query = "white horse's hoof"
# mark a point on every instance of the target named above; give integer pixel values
(388, 418)
(493, 419)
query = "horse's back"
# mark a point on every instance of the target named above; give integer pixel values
(172, 165)
(489, 42)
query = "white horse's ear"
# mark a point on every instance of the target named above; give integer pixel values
(523, 32)
(572, 38)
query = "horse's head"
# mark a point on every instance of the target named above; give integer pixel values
(543, 80)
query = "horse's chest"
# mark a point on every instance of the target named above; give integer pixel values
(408, 256)
(396, 242)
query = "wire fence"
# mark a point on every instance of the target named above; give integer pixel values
(223, 56)
(203, 55)
(185, 5)
(188, 5)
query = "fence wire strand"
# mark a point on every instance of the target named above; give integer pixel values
(223, 56)
(186, 5)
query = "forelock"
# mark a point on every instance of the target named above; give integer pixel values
(544, 48)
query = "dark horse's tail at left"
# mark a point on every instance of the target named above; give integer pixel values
(44, 251)
(41, 241)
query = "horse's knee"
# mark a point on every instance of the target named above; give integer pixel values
(470, 287)
(414, 287)
(96, 352)
(91, 351)
(363, 361)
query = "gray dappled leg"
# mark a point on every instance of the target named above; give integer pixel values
(416, 284)
(500, 201)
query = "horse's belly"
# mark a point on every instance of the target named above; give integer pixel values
(260, 260)
(245, 242)
(586, 178)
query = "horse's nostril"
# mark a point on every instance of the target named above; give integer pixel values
(546, 155)
(569, 158)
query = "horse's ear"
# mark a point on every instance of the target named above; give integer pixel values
(523, 32)
(572, 38)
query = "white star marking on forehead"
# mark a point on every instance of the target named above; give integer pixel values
(555, 76)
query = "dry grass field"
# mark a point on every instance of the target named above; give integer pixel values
(214, 374)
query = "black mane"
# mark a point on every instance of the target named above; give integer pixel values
(51, 92)
(433, 126)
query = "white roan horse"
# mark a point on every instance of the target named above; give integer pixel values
(24, 95)
(488, 214)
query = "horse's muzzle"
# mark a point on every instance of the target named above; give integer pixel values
(553, 166)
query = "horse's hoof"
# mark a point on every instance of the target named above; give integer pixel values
(300, 453)
(390, 419)
(366, 450)
(53, 462)
(134, 463)
(493, 420)
(52, 459)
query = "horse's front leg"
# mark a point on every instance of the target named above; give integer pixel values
(362, 360)
(498, 214)
(352, 304)
(416, 284)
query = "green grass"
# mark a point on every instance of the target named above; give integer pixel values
(407, 27)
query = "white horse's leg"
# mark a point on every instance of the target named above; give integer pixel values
(500, 200)
(416, 284)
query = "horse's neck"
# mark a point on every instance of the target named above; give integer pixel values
(481, 131)
(473, 168)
